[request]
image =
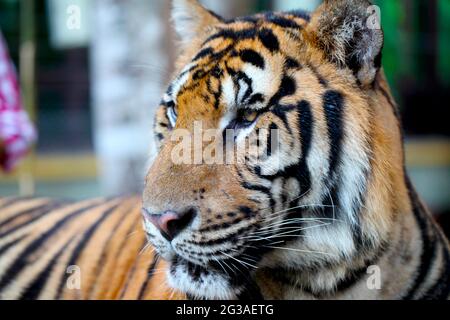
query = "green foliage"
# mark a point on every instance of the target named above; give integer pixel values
(444, 40)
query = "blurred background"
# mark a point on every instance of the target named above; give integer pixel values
(93, 71)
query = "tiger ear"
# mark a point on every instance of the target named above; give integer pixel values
(190, 19)
(350, 35)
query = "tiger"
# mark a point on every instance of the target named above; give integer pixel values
(331, 213)
(323, 209)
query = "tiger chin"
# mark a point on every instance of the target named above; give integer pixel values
(337, 217)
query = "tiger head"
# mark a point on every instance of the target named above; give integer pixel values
(313, 188)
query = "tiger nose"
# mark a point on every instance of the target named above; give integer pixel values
(171, 223)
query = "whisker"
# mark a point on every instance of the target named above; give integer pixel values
(262, 238)
(245, 255)
(284, 225)
(311, 206)
(132, 234)
(292, 220)
(293, 199)
(301, 250)
(332, 203)
(292, 231)
(226, 265)
(241, 262)
(145, 248)
(217, 260)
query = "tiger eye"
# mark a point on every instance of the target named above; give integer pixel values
(250, 115)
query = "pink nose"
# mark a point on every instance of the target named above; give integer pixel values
(170, 223)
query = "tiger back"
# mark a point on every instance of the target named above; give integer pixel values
(88, 250)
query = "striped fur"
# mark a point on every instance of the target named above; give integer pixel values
(339, 201)
(40, 239)
(338, 204)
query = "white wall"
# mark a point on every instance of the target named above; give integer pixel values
(128, 75)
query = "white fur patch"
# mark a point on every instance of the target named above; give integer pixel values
(179, 82)
(172, 116)
(229, 93)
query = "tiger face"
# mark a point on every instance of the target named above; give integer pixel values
(298, 91)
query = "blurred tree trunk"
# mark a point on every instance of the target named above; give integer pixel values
(231, 8)
(128, 72)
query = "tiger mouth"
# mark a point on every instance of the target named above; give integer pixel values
(200, 282)
(213, 281)
(193, 269)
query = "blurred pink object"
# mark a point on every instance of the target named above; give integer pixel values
(17, 133)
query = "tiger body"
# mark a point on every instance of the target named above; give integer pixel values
(335, 218)
(90, 250)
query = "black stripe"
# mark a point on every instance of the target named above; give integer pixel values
(300, 170)
(248, 212)
(441, 289)
(291, 63)
(8, 245)
(248, 81)
(150, 273)
(35, 288)
(130, 275)
(82, 244)
(333, 104)
(215, 15)
(282, 22)
(319, 77)
(351, 279)
(178, 78)
(217, 96)
(21, 261)
(129, 234)
(233, 238)
(287, 88)
(203, 53)
(232, 34)
(258, 188)
(11, 201)
(273, 127)
(428, 253)
(288, 278)
(361, 242)
(269, 40)
(281, 112)
(300, 14)
(37, 213)
(257, 97)
(215, 56)
(305, 123)
(251, 291)
(112, 235)
(21, 213)
(252, 57)
(392, 104)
